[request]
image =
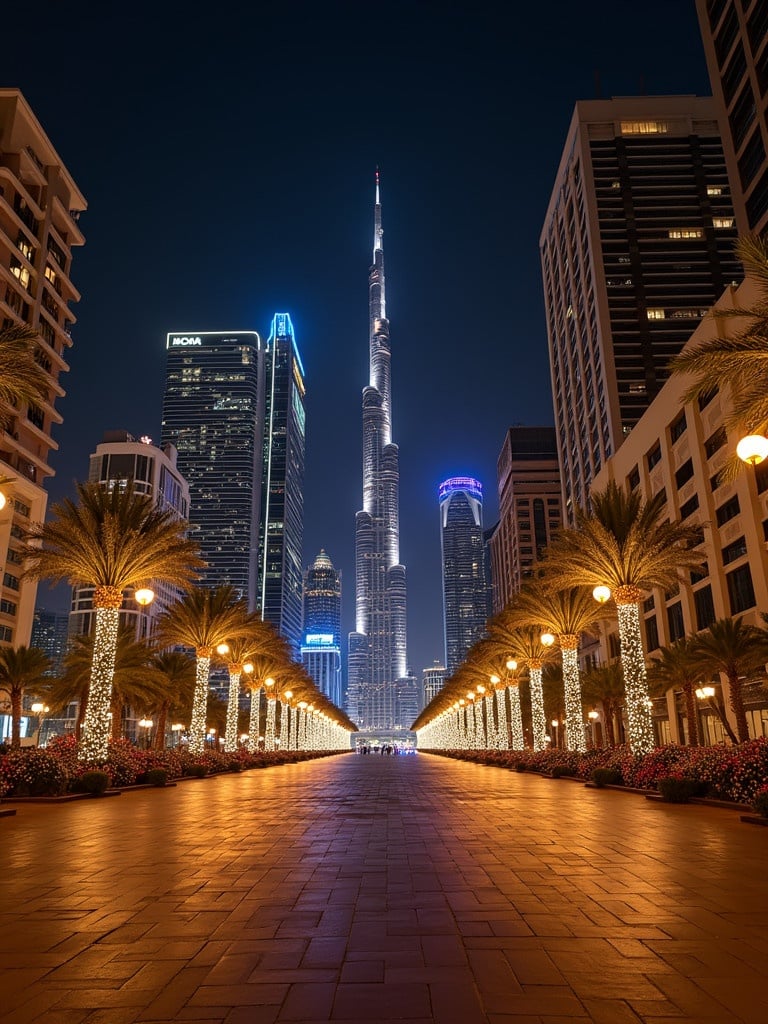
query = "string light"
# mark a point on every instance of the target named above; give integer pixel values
(539, 721)
(269, 729)
(94, 744)
(230, 737)
(574, 724)
(253, 722)
(517, 739)
(200, 701)
(639, 718)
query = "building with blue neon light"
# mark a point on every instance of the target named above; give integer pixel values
(321, 636)
(466, 593)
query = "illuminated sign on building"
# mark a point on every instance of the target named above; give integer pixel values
(184, 341)
(318, 639)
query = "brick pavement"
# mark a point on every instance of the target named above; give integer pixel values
(377, 889)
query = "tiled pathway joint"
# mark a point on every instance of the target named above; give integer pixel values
(377, 889)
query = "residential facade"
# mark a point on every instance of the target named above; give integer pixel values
(735, 36)
(40, 205)
(530, 508)
(637, 244)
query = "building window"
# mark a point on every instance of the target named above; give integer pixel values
(684, 474)
(706, 398)
(715, 482)
(6, 634)
(613, 645)
(714, 190)
(21, 508)
(761, 477)
(715, 442)
(651, 634)
(678, 428)
(733, 551)
(644, 127)
(653, 458)
(7, 607)
(722, 222)
(728, 510)
(675, 621)
(689, 507)
(649, 604)
(705, 607)
(697, 575)
(686, 233)
(656, 314)
(634, 479)
(741, 593)
(10, 581)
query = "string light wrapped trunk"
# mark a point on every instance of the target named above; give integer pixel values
(230, 736)
(538, 718)
(574, 720)
(517, 739)
(501, 711)
(637, 698)
(200, 700)
(269, 729)
(94, 745)
(253, 722)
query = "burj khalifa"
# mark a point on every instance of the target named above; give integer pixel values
(377, 648)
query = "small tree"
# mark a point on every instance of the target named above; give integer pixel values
(21, 669)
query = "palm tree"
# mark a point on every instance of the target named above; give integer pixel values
(624, 543)
(604, 684)
(267, 665)
(203, 619)
(22, 378)
(21, 669)
(260, 635)
(738, 362)
(524, 644)
(566, 614)
(112, 540)
(737, 650)
(177, 673)
(677, 667)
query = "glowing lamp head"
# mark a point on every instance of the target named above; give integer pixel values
(593, 715)
(480, 688)
(177, 727)
(222, 648)
(547, 639)
(39, 709)
(248, 668)
(302, 704)
(269, 681)
(144, 596)
(3, 500)
(602, 594)
(752, 449)
(554, 722)
(288, 694)
(511, 664)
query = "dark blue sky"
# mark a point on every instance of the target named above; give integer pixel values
(227, 157)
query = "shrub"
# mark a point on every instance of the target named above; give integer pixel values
(562, 769)
(157, 777)
(760, 803)
(677, 790)
(197, 771)
(32, 772)
(521, 766)
(606, 777)
(94, 782)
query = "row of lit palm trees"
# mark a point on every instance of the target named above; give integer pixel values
(621, 548)
(118, 542)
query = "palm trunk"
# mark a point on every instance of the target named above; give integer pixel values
(116, 708)
(692, 714)
(200, 701)
(719, 710)
(162, 719)
(574, 714)
(253, 723)
(15, 717)
(608, 712)
(637, 698)
(538, 718)
(269, 730)
(501, 714)
(230, 739)
(737, 706)
(95, 742)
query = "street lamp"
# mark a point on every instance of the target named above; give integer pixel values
(222, 649)
(145, 723)
(41, 710)
(752, 449)
(593, 717)
(547, 639)
(555, 724)
(178, 728)
(602, 594)
(705, 692)
(144, 596)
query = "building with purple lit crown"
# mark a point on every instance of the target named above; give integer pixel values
(465, 578)
(377, 647)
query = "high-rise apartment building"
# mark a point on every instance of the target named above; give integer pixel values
(432, 682)
(281, 527)
(377, 647)
(39, 210)
(530, 508)
(49, 634)
(637, 244)
(213, 414)
(465, 576)
(119, 457)
(735, 38)
(321, 635)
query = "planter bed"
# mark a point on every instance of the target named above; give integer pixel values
(754, 819)
(7, 812)
(65, 798)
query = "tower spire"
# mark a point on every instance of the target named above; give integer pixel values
(378, 244)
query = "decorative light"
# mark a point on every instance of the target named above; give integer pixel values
(248, 668)
(222, 648)
(3, 501)
(144, 596)
(537, 707)
(555, 722)
(641, 739)
(199, 701)
(547, 639)
(752, 449)
(230, 736)
(602, 594)
(495, 679)
(480, 688)
(269, 681)
(593, 715)
(146, 723)
(94, 744)
(511, 665)
(703, 693)
(288, 694)
(574, 727)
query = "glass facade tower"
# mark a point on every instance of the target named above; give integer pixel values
(377, 647)
(465, 578)
(281, 530)
(321, 636)
(213, 414)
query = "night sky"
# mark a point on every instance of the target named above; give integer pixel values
(227, 156)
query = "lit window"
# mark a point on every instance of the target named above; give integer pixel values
(50, 274)
(656, 314)
(637, 389)
(569, 311)
(714, 190)
(615, 184)
(644, 127)
(722, 222)
(20, 272)
(686, 233)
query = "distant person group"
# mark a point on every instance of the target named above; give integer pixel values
(365, 749)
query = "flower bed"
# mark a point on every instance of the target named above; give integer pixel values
(56, 769)
(735, 773)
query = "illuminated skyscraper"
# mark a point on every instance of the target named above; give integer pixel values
(321, 635)
(281, 529)
(465, 577)
(213, 414)
(377, 647)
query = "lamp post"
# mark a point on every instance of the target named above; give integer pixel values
(593, 717)
(706, 693)
(145, 724)
(555, 732)
(41, 710)
(752, 449)
(178, 728)
(602, 594)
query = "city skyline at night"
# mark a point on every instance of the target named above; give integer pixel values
(268, 233)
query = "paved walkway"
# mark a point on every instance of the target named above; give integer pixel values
(377, 889)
